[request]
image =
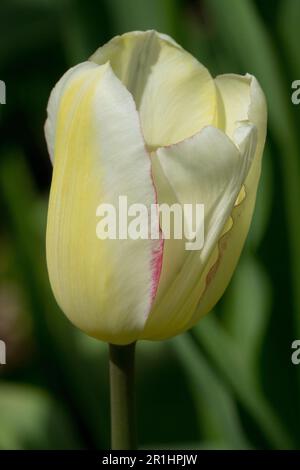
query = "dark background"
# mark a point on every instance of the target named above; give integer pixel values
(229, 383)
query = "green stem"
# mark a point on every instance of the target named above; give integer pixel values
(122, 397)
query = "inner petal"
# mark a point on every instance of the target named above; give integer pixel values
(174, 93)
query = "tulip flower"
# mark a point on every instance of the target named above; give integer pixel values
(143, 118)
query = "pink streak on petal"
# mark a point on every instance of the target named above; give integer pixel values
(157, 252)
(156, 265)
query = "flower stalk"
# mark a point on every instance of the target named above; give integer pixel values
(122, 397)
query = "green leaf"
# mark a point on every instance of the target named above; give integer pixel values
(218, 417)
(30, 419)
(247, 308)
(227, 356)
(288, 25)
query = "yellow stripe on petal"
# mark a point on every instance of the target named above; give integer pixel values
(105, 287)
(174, 93)
(73, 77)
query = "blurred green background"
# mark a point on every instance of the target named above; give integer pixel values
(230, 382)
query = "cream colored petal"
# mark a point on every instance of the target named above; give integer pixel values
(105, 287)
(77, 74)
(174, 93)
(206, 169)
(242, 99)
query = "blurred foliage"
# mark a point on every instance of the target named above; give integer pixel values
(229, 383)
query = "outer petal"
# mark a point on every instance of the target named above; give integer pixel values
(77, 74)
(208, 169)
(241, 99)
(174, 93)
(105, 287)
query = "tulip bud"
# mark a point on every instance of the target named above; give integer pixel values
(144, 119)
